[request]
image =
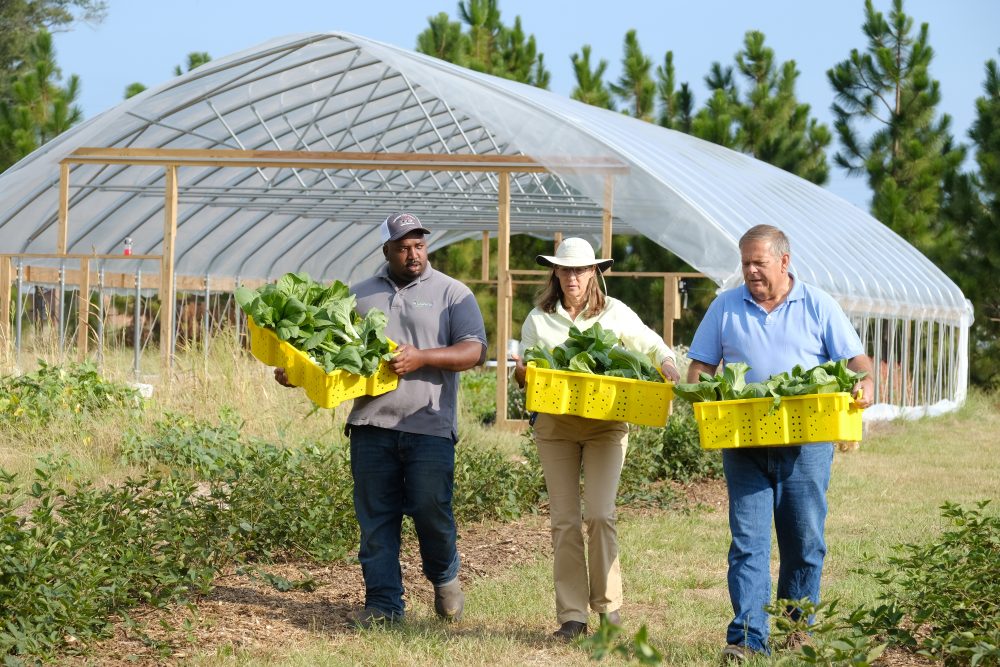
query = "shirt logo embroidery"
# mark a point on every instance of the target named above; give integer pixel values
(422, 304)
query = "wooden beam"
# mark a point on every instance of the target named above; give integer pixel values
(503, 294)
(63, 241)
(6, 278)
(341, 160)
(671, 308)
(167, 272)
(486, 256)
(83, 318)
(609, 196)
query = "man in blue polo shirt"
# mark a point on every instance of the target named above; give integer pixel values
(772, 323)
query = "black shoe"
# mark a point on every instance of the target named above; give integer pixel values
(449, 601)
(370, 617)
(570, 630)
(739, 653)
(612, 617)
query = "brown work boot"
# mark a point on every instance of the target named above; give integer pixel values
(570, 630)
(449, 601)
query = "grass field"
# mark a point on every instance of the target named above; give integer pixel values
(884, 494)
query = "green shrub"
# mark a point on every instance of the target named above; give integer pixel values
(670, 453)
(52, 392)
(940, 600)
(489, 485)
(70, 557)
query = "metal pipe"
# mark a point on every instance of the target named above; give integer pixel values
(239, 315)
(17, 312)
(62, 309)
(205, 319)
(137, 326)
(100, 317)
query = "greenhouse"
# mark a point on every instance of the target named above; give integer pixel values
(286, 156)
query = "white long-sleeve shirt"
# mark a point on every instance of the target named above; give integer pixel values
(552, 329)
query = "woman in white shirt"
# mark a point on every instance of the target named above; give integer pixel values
(567, 444)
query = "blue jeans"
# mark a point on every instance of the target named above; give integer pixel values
(397, 473)
(788, 485)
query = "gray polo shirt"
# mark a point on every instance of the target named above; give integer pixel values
(433, 311)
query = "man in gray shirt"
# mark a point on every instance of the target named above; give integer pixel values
(403, 442)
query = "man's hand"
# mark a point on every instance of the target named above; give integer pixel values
(406, 359)
(670, 370)
(281, 377)
(866, 388)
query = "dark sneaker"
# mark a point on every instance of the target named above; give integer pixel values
(612, 617)
(370, 617)
(449, 601)
(570, 630)
(739, 653)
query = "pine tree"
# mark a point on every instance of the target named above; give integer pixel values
(487, 46)
(636, 87)
(982, 245)
(676, 105)
(773, 126)
(442, 39)
(911, 153)
(590, 87)
(39, 109)
(767, 121)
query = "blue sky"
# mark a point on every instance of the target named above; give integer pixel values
(142, 40)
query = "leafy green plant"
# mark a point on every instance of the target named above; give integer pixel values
(597, 351)
(940, 600)
(608, 640)
(320, 321)
(489, 485)
(731, 384)
(53, 391)
(656, 455)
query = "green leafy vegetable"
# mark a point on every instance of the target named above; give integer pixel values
(730, 385)
(321, 321)
(596, 351)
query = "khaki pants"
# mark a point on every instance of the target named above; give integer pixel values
(567, 444)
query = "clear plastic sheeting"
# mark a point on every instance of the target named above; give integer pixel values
(342, 92)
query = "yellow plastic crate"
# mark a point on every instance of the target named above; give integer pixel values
(327, 390)
(799, 419)
(597, 396)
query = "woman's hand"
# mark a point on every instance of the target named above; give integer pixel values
(670, 371)
(519, 369)
(281, 377)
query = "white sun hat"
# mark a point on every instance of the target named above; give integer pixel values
(574, 252)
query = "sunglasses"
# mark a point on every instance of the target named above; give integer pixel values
(575, 270)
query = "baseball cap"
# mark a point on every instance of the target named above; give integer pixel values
(397, 225)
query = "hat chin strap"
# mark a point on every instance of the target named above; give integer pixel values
(603, 282)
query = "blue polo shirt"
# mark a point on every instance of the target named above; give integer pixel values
(809, 328)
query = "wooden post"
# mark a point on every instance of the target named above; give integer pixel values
(83, 318)
(6, 277)
(62, 243)
(167, 271)
(503, 294)
(486, 257)
(557, 238)
(671, 308)
(609, 193)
